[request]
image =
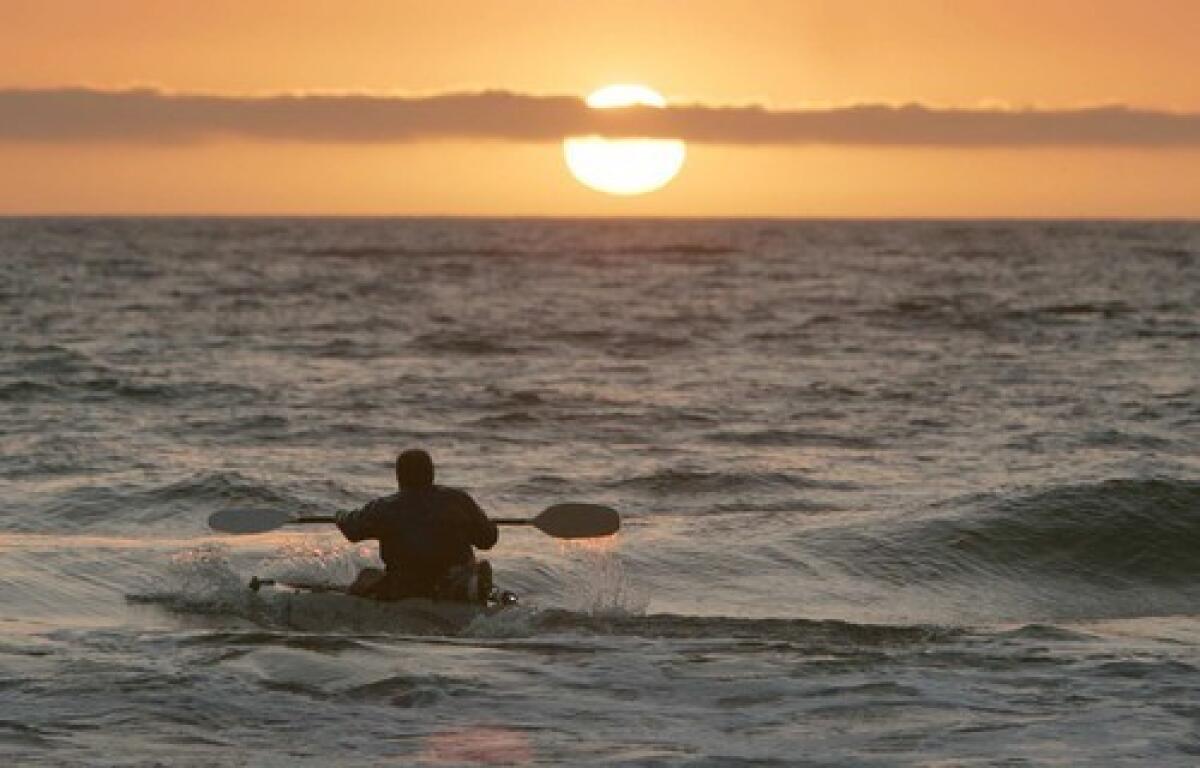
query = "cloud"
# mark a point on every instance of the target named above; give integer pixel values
(150, 116)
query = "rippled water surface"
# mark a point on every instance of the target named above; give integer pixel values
(893, 493)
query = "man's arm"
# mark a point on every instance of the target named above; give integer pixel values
(481, 531)
(360, 524)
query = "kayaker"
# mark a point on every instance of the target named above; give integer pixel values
(426, 536)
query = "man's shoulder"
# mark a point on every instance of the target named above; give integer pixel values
(446, 490)
(455, 495)
(384, 502)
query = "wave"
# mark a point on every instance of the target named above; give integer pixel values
(1143, 530)
(1116, 533)
(1181, 256)
(1102, 308)
(23, 390)
(466, 343)
(808, 632)
(1124, 439)
(679, 481)
(623, 343)
(121, 506)
(208, 581)
(795, 438)
(48, 359)
(277, 613)
(670, 249)
(392, 251)
(1168, 329)
(100, 384)
(400, 252)
(996, 316)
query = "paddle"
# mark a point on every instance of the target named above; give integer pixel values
(562, 521)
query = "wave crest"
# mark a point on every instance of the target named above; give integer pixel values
(1120, 532)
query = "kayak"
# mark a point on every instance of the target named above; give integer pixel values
(325, 606)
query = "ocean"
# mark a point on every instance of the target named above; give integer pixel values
(893, 493)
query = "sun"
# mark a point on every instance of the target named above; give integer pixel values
(624, 166)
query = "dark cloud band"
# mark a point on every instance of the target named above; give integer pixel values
(149, 116)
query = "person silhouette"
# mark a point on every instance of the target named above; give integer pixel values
(427, 534)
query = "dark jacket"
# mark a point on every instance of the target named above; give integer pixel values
(422, 533)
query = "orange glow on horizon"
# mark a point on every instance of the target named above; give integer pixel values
(787, 54)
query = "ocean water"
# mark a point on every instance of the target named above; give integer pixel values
(894, 493)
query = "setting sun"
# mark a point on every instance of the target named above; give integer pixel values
(624, 166)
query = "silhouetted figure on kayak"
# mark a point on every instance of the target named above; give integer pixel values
(426, 533)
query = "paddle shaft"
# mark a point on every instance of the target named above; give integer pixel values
(332, 519)
(562, 521)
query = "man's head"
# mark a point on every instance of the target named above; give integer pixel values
(414, 469)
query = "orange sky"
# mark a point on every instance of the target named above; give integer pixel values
(789, 54)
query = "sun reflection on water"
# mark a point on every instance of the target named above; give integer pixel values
(479, 745)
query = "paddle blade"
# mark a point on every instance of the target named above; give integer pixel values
(577, 521)
(248, 520)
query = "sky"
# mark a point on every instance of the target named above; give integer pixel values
(923, 108)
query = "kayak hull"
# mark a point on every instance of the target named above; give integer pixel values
(320, 607)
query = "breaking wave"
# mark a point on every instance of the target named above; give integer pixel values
(1119, 532)
(119, 506)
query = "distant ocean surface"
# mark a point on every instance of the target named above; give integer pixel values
(894, 493)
